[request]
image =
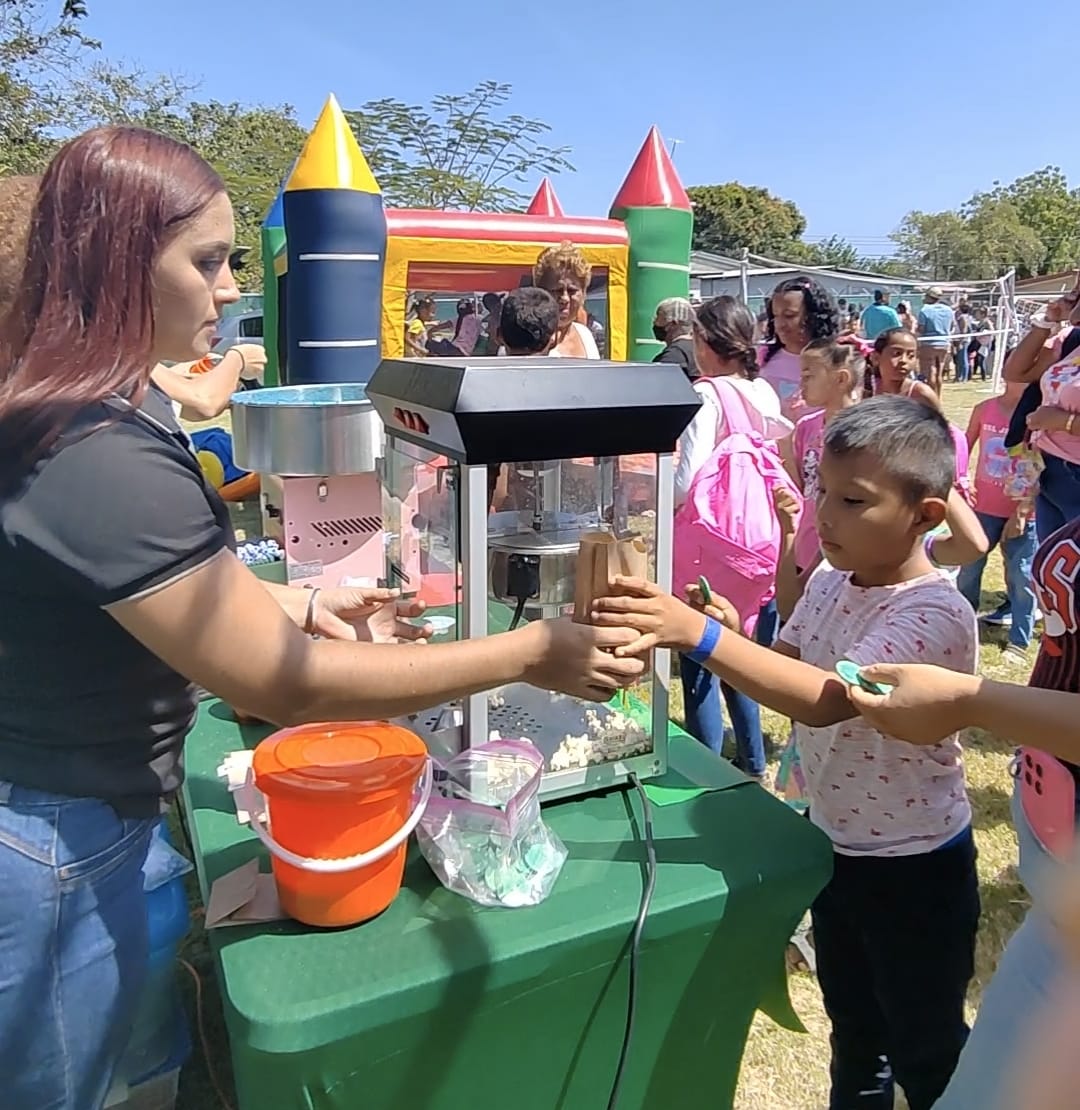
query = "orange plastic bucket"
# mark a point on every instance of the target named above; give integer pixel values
(342, 800)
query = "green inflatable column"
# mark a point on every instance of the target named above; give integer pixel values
(659, 222)
(273, 239)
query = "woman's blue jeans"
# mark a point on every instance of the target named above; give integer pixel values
(73, 946)
(705, 716)
(1058, 502)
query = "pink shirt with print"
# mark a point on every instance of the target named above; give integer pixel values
(870, 794)
(1061, 388)
(807, 444)
(994, 463)
(784, 373)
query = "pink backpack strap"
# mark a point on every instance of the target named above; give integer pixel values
(731, 405)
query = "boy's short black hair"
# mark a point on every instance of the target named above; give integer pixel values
(528, 320)
(910, 440)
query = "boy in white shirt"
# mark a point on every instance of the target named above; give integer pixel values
(894, 930)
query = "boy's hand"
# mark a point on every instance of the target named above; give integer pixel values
(661, 620)
(721, 609)
(787, 510)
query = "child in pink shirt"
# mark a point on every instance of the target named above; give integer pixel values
(894, 928)
(1006, 522)
(832, 375)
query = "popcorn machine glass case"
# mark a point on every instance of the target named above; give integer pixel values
(497, 474)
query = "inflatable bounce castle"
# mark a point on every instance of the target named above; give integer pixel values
(339, 269)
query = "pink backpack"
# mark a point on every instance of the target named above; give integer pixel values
(727, 529)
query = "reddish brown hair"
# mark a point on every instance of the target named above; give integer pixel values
(81, 326)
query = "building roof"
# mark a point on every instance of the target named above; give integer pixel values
(1060, 282)
(707, 264)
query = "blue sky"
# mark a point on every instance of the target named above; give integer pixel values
(858, 114)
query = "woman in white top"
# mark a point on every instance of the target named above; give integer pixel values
(724, 348)
(564, 273)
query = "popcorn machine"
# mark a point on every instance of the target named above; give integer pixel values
(496, 474)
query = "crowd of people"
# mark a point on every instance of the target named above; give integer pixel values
(120, 591)
(880, 569)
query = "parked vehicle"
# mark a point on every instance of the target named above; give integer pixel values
(245, 327)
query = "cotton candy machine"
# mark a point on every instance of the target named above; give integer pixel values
(317, 449)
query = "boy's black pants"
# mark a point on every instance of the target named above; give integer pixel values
(895, 945)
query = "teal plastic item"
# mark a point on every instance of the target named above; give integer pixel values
(851, 673)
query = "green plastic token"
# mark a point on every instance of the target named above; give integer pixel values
(849, 672)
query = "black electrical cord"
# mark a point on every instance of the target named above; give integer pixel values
(635, 942)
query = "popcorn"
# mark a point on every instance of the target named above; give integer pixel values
(607, 737)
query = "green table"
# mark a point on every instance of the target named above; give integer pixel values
(442, 1005)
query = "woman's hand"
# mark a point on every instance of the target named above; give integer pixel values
(580, 659)
(371, 614)
(1048, 418)
(1066, 309)
(660, 619)
(925, 704)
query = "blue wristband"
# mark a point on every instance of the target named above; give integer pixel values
(709, 639)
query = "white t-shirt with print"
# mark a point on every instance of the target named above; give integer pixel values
(870, 794)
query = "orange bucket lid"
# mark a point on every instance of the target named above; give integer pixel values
(356, 757)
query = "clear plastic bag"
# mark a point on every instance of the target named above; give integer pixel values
(482, 832)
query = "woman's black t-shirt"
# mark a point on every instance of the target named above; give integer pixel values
(115, 511)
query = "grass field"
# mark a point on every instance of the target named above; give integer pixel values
(781, 1070)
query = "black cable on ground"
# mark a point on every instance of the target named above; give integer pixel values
(635, 942)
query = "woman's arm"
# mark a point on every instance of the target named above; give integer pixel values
(220, 627)
(927, 704)
(206, 396)
(1031, 357)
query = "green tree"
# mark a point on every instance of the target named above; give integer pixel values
(253, 148)
(1045, 204)
(461, 153)
(730, 217)
(40, 43)
(936, 245)
(834, 251)
(980, 243)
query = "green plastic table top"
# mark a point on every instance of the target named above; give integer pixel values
(315, 1017)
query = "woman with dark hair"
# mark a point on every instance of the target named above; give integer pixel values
(724, 348)
(799, 310)
(119, 589)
